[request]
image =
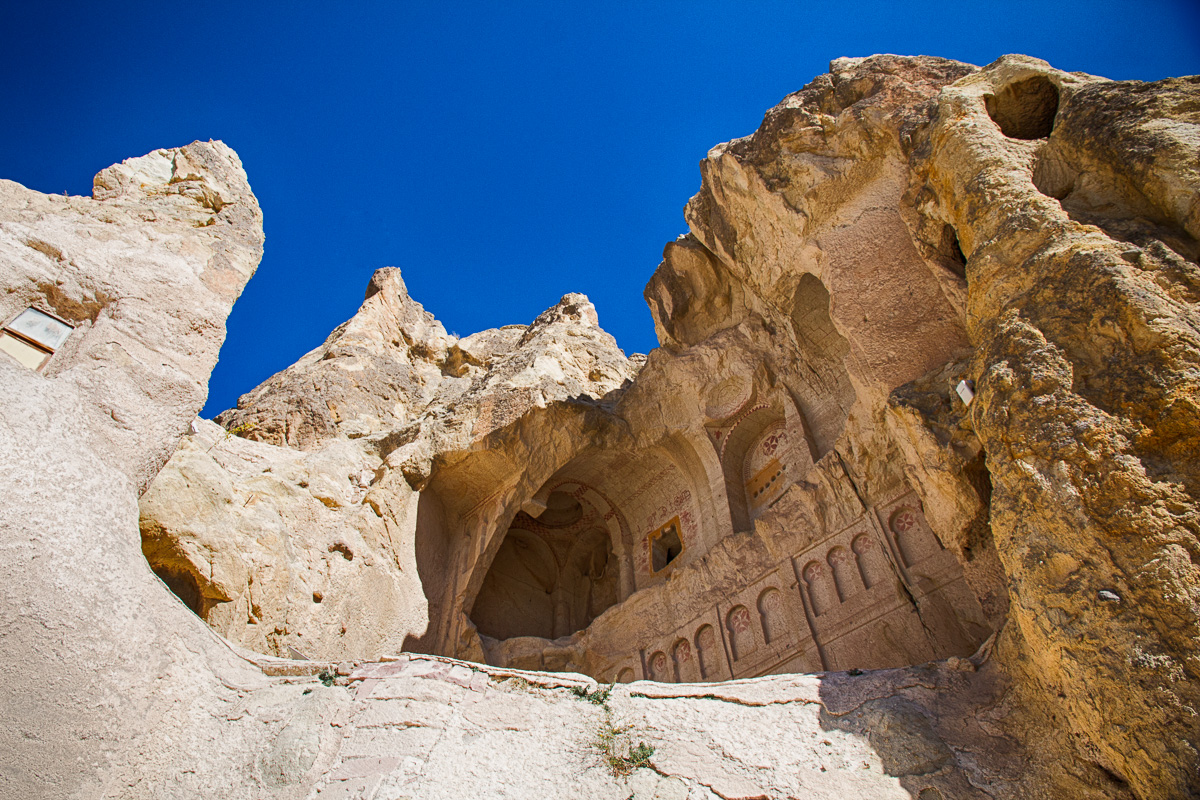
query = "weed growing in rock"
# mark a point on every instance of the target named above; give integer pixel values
(516, 683)
(613, 743)
(616, 749)
(599, 697)
(237, 430)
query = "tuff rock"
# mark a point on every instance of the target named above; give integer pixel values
(904, 505)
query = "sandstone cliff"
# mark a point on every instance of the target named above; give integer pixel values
(905, 505)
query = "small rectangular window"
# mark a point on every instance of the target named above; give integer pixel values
(665, 545)
(33, 337)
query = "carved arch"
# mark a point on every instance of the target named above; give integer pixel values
(872, 563)
(913, 539)
(707, 652)
(772, 616)
(736, 450)
(845, 573)
(659, 669)
(822, 595)
(684, 662)
(741, 635)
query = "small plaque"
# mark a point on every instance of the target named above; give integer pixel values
(965, 392)
(42, 328)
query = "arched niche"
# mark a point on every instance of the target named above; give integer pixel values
(872, 563)
(517, 596)
(684, 661)
(708, 653)
(913, 539)
(822, 594)
(738, 624)
(760, 460)
(659, 667)
(772, 616)
(846, 577)
(823, 390)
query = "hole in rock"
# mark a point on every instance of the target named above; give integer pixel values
(612, 521)
(951, 252)
(183, 585)
(665, 545)
(545, 586)
(1025, 109)
(1053, 177)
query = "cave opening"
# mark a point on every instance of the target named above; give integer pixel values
(1025, 109)
(552, 575)
(607, 524)
(827, 394)
(951, 251)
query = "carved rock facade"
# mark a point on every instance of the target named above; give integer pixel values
(795, 480)
(926, 399)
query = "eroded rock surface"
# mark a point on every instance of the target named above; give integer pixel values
(113, 671)
(905, 504)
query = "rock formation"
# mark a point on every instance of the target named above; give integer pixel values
(905, 504)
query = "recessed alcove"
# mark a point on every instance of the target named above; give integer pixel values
(607, 524)
(1025, 109)
(546, 583)
(951, 252)
(184, 586)
(824, 392)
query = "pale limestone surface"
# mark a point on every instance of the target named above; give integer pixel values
(146, 272)
(236, 511)
(438, 728)
(110, 664)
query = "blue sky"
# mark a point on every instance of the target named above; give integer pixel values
(501, 155)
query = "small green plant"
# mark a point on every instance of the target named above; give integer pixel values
(236, 430)
(516, 683)
(598, 697)
(638, 757)
(620, 755)
(326, 677)
(613, 743)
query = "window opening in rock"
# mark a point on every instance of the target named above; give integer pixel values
(1025, 109)
(665, 545)
(33, 336)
